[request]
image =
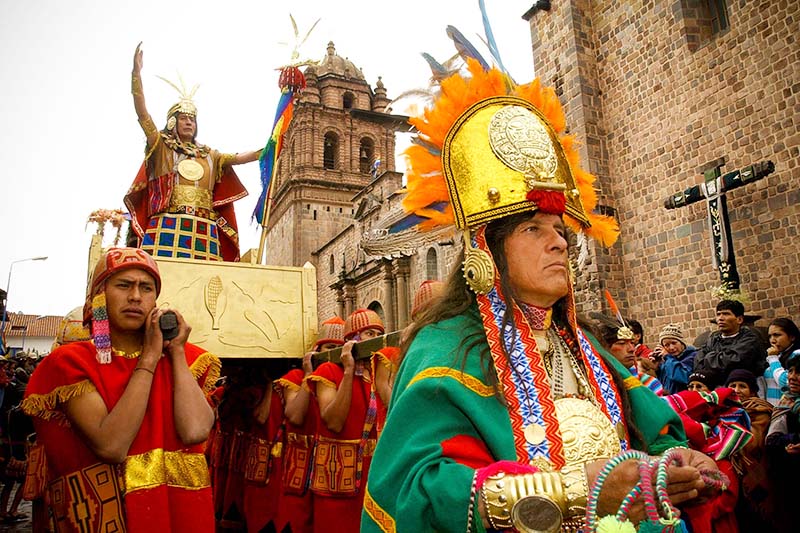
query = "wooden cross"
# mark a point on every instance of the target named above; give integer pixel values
(713, 189)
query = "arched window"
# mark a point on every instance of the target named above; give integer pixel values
(332, 266)
(432, 264)
(330, 156)
(348, 100)
(366, 153)
(378, 308)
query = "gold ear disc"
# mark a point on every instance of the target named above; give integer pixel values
(478, 270)
(171, 123)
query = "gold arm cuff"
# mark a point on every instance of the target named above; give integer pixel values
(500, 492)
(576, 489)
(136, 86)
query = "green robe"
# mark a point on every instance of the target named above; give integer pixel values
(444, 423)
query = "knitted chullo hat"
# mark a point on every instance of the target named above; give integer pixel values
(671, 331)
(331, 332)
(95, 314)
(745, 376)
(360, 320)
(428, 291)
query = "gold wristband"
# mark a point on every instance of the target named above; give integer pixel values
(136, 86)
(501, 495)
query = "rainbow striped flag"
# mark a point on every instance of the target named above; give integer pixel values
(269, 156)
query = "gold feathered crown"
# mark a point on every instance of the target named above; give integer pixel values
(488, 148)
(186, 103)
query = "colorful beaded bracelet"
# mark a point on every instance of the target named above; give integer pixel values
(661, 514)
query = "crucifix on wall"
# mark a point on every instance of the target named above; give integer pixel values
(713, 190)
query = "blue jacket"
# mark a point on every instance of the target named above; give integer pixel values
(674, 370)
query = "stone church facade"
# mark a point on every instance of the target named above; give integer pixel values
(659, 91)
(336, 191)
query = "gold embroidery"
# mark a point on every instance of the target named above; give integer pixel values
(381, 518)
(470, 382)
(207, 362)
(321, 380)
(632, 382)
(158, 467)
(43, 405)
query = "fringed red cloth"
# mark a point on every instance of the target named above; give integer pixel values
(154, 501)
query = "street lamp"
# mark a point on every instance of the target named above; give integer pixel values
(8, 288)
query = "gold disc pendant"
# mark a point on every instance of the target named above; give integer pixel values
(191, 170)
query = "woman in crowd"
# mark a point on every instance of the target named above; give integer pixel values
(784, 338)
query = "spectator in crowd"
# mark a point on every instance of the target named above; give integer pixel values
(733, 345)
(717, 425)
(674, 358)
(618, 339)
(19, 426)
(702, 381)
(744, 383)
(641, 349)
(783, 446)
(784, 338)
(756, 505)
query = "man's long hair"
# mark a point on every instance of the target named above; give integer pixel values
(458, 298)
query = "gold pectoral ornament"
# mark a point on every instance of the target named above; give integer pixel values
(190, 170)
(553, 501)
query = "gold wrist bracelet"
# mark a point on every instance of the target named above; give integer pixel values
(531, 503)
(136, 86)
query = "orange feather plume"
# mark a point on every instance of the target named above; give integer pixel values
(425, 181)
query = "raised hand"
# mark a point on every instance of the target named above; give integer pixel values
(138, 59)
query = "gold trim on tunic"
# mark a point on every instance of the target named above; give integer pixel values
(158, 467)
(470, 382)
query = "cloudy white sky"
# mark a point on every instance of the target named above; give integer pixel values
(69, 139)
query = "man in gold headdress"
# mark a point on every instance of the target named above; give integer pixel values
(504, 409)
(181, 202)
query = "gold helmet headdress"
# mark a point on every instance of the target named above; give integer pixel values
(185, 104)
(488, 148)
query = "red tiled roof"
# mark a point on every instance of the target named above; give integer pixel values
(18, 325)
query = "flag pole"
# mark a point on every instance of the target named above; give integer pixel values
(262, 245)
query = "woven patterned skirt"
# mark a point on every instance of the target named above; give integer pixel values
(181, 235)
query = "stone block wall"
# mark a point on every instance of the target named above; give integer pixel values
(654, 99)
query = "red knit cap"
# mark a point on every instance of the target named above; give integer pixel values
(114, 260)
(360, 320)
(427, 292)
(95, 314)
(331, 331)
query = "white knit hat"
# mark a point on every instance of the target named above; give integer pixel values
(671, 331)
